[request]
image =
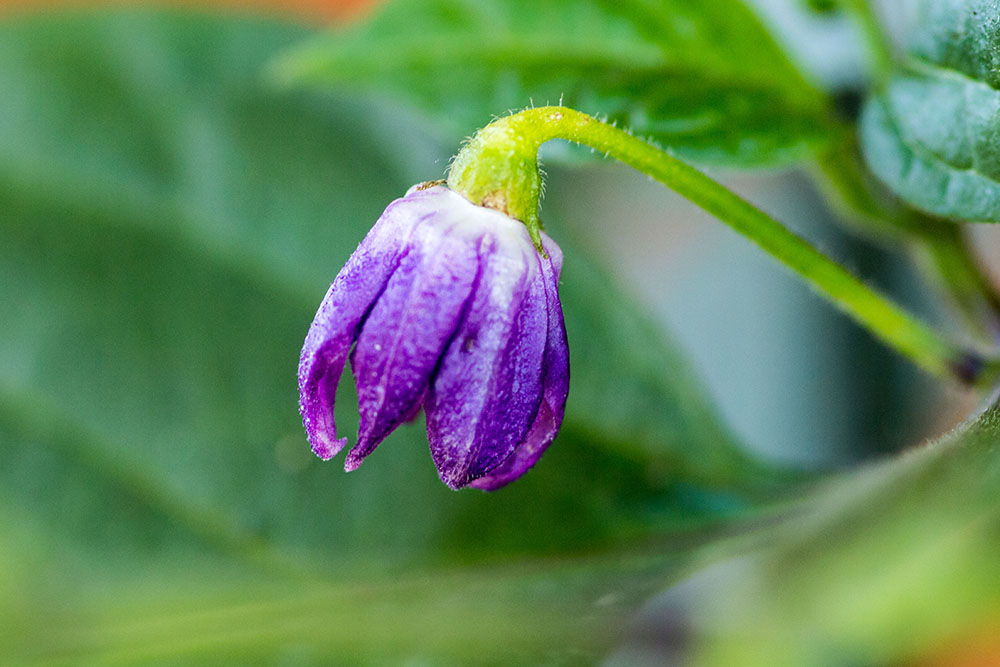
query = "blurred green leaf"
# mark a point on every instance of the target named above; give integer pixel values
(170, 224)
(566, 611)
(879, 567)
(933, 134)
(704, 78)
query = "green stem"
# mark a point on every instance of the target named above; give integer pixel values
(949, 262)
(498, 168)
(938, 246)
(873, 34)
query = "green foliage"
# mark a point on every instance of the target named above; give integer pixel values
(933, 134)
(958, 35)
(882, 566)
(170, 224)
(703, 78)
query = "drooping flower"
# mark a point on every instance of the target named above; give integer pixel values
(447, 306)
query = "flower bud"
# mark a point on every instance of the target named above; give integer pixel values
(447, 306)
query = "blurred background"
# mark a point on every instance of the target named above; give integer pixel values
(171, 221)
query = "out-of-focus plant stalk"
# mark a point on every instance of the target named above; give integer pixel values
(863, 13)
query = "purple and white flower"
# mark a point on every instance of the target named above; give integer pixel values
(447, 306)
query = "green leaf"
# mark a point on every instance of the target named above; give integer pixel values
(884, 566)
(933, 134)
(169, 226)
(958, 35)
(703, 78)
(567, 611)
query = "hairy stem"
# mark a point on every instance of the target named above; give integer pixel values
(498, 168)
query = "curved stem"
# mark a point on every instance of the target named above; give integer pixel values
(498, 168)
(938, 246)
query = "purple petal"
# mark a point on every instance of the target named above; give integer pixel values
(341, 313)
(488, 389)
(555, 383)
(409, 327)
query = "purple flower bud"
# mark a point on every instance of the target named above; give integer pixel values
(447, 306)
